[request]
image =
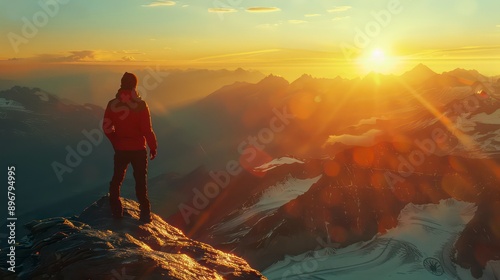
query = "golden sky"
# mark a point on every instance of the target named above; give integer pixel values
(321, 37)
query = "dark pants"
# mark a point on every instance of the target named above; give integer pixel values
(139, 161)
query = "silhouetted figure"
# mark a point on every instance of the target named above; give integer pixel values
(127, 124)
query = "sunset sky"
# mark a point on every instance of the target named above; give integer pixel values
(324, 37)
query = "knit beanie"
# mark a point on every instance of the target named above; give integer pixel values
(129, 81)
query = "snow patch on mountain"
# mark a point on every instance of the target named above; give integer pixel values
(372, 120)
(277, 162)
(418, 248)
(9, 104)
(366, 139)
(270, 200)
(493, 118)
(467, 123)
(482, 142)
(284, 192)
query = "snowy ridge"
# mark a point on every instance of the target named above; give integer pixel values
(277, 162)
(365, 140)
(484, 142)
(372, 120)
(270, 200)
(8, 104)
(418, 248)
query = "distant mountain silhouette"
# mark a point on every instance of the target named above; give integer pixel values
(467, 75)
(95, 246)
(306, 82)
(182, 87)
(418, 75)
(162, 88)
(49, 129)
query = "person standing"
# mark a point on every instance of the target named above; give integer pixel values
(127, 125)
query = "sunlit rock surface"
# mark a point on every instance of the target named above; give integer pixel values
(95, 246)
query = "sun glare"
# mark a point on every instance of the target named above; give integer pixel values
(377, 60)
(378, 56)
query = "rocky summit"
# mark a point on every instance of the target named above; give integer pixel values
(96, 246)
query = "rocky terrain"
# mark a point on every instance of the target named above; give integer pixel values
(94, 246)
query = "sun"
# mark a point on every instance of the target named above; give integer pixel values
(377, 60)
(378, 56)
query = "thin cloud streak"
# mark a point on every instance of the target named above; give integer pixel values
(222, 10)
(461, 50)
(263, 9)
(85, 56)
(240, 54)
(160, 4)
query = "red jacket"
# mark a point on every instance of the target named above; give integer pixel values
(127, 123)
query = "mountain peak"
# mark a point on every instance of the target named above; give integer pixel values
(95, 246)
(418, 74)
(306, 76)
(274, 80)
(421, 69)
(304, 79)
(240, 70)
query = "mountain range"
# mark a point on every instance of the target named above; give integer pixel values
(284, 173)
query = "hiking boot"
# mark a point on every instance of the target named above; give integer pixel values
(116, 208)
(117, 213)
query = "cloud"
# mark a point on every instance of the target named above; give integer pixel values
(312, 15)
(461, 51)
(263, 9)
(239, 54)
(296, 21)
(128, 58)
(222, 10)
(71, 56)
(87, 56)
(160, 3)
(498, 25)
(468, 53)
(339, 9)
(130, 51)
